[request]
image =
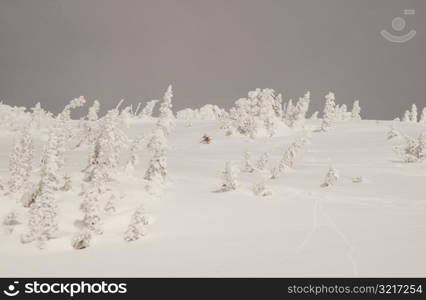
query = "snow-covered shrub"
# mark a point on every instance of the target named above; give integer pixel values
(229, 177)
(137, 225)
(414, 149)
(248, 165)
(13, 117)
(81, 240)
(20, 161)
(262, 163)
(259, 187)
(11, 219)
(331, 177)
(207, 112)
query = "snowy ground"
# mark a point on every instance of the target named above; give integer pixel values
(373, 228)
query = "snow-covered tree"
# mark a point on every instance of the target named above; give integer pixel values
(314, 116)
(356, 111)
(413, 114)
(229, 177)
(248, 165)
(259, 187)
(135, 148)
(423, 116)
(286, 161)
(92, 115)
(166, 120)
(407, 116)
(43, 211)
(20, 161)
(148, 109)
(38, 115)
(254, 115)
(414, 149)
(329, 112)
(137, 226)
(331, 177)
(102, 166)
(157, 167)
(296, 116)
(262, 163)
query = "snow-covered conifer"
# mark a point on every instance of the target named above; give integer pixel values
(135, 148)
(20, 161)
(356, 111)
(229, 177)
(262, 163)
(414, 149)
(413, 114)
(92, 115)
(137, 226)
(423, 116)
(407, 116)
(296, 116)
(148, 109)
(329, 112)
(314, 116)
(286, 161)
(166, 120)
(259, 187)
(43, 211)
(248, 165)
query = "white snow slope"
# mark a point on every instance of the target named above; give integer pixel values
(373, 228)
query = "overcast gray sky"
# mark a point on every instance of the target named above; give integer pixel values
(211, 51)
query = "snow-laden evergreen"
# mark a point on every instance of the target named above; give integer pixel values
(137, 226)
(20, 160)
(43, 223)
(229, 177)
(356, 111)
(166, 120)
(329, 112)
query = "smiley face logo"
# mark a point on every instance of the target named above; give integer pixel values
(398, 25)
(11, 290)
